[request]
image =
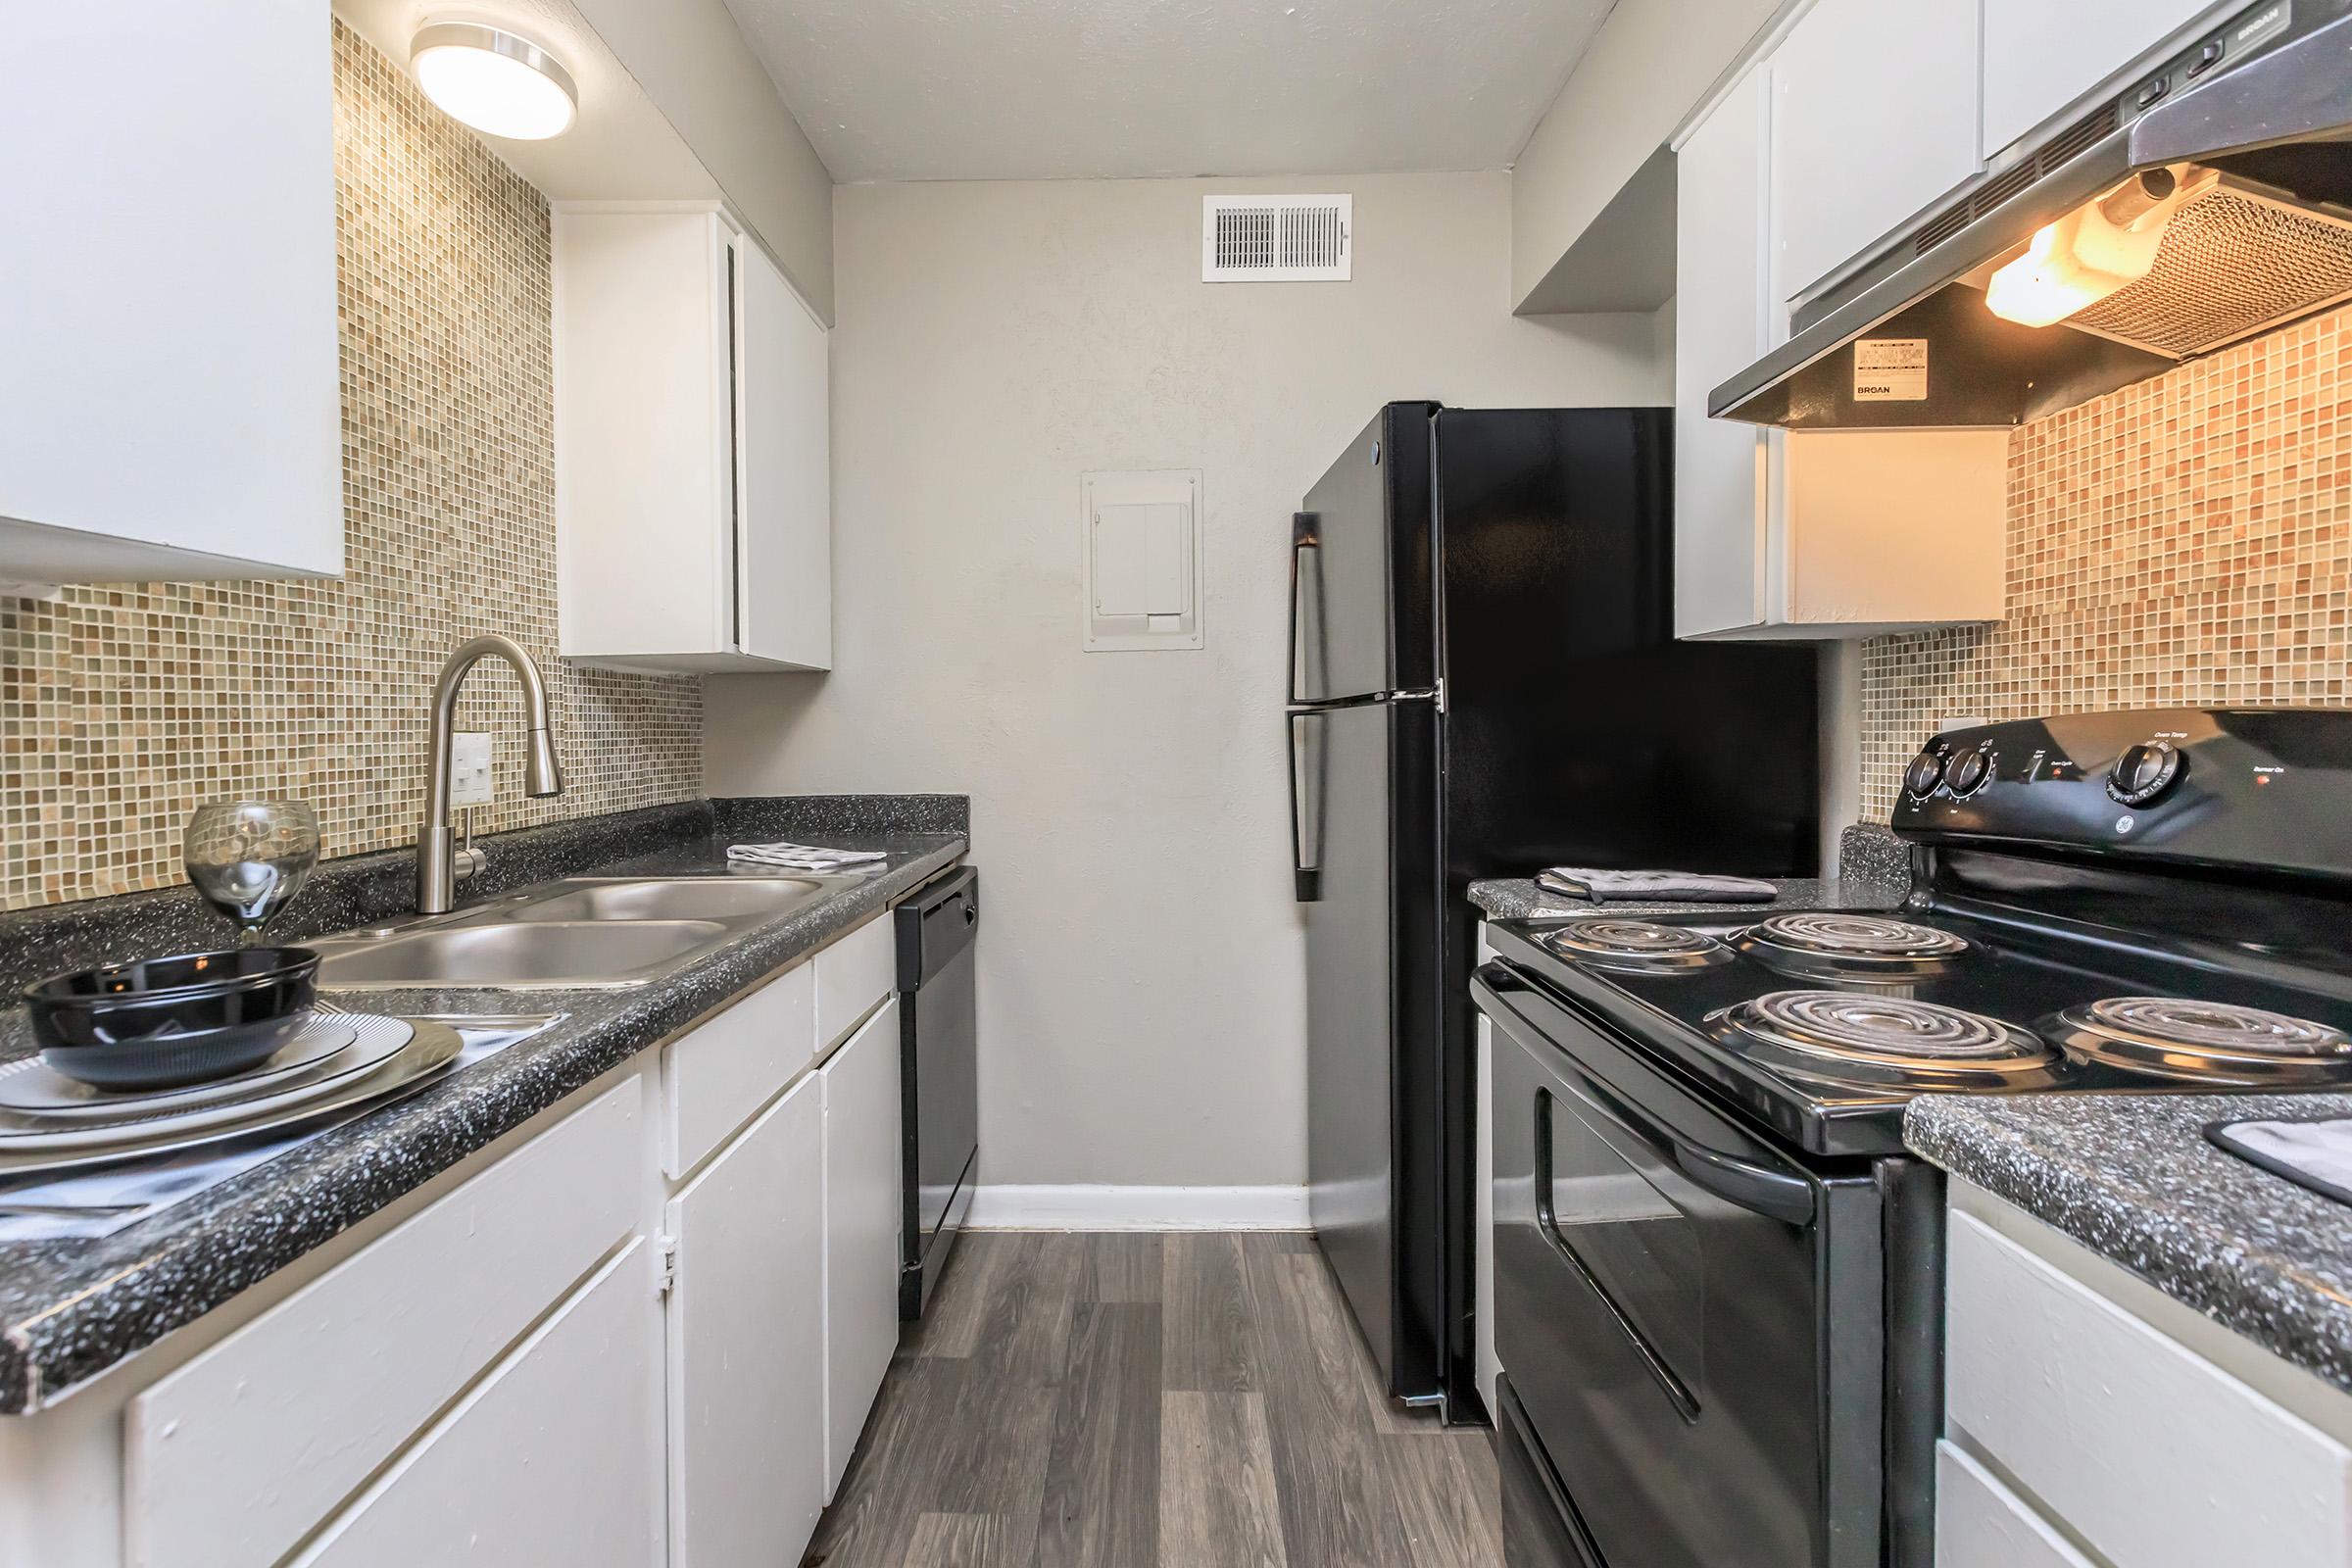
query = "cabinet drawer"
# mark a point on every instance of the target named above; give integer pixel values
(717, 1076)
(853, 975)
(237, 1455)
(1981, 1523)
(556, 1458)
(2146, 1450)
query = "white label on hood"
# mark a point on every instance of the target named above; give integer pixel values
(1891, 370)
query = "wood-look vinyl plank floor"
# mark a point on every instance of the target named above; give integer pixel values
(1187, 1399)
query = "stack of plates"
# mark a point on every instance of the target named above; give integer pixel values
(335, 1062)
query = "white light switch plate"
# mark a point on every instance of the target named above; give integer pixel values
(469, 769)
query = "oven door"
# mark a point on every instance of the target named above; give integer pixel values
(1691, 1319)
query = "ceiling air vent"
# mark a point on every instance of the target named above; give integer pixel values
(1276, 239)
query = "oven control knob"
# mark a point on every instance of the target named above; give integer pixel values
(2146, 772)
(1969, 771)
(1923, 775)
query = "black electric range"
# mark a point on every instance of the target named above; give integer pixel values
(1718, 1274)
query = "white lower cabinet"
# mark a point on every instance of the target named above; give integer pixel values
(1981, 1523)
(237, 1455)
(2123, 1438)
(569, 1357)
(863, 1204)
(555, 1459)
(747, 1343)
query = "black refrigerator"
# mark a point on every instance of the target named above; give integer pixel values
(1484, 680)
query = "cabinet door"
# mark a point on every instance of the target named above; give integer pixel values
(644, 501)
(1721, 296)
(784, 456)
(1876, 121)
(746, 1351)
(554, 1459)
(863, 1208)
(169, 402)
(2042, 55)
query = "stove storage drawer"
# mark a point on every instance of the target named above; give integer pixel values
(2142, 1447)
(1690, 1320)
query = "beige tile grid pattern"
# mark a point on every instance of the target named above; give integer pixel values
(2187, 540)
(124, 706)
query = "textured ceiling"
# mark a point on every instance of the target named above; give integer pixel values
(1016, 89)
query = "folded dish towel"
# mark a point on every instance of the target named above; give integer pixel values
(1652, 887)
(801, 857)
(2318, 1154)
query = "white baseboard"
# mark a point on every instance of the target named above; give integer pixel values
(1138, 1208)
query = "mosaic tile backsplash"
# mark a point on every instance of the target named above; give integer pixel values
(2185, 541)
(121, 707)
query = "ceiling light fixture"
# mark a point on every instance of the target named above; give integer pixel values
(498, 84)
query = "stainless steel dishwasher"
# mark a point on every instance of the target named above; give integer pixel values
(939, 1045)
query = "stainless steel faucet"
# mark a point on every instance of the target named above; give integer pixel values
(437, 865)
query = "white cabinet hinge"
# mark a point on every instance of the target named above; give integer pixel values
(669, 1264)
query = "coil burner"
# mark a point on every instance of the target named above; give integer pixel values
(2205, 1042)
(1828, 945)
(1855, 1038)
(1635, 947)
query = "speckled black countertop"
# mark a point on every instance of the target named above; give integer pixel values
(1874, 875)
(2132, 1178)
(69, 1310)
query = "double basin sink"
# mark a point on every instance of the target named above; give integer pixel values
(580, 932)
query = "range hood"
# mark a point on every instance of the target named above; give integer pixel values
(2208, 204)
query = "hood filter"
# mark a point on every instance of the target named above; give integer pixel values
(2233, 263)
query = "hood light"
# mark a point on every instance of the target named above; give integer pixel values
(500, 84)
(2090, 254)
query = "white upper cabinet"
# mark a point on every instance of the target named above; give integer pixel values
(1721, 297)
(1874, 122)
(169, 397)
(1820, 534)
(693, 498)
(2042, 55)
(787, 535)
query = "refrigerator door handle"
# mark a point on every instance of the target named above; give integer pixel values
(1303, 539)
(1306, 803)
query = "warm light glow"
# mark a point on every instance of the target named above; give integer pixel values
(2084, 258)
(2047, 284)
(497, 83)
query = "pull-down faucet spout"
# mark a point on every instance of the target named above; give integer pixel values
(437, 870)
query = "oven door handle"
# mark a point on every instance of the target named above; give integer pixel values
(1547, 1224)
(1743, 1184)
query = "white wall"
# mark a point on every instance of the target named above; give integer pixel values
(1649, 66)
(693, 62)
(1141, 993)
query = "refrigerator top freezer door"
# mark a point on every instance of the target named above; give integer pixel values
(1362, 561)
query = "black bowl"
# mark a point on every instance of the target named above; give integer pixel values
(157, 1024)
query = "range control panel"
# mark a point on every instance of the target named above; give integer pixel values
(2261, 788)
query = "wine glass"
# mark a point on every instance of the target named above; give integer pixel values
(250, 858)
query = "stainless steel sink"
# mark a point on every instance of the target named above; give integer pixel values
(577, 933)
(673, 899)
(516, 954)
